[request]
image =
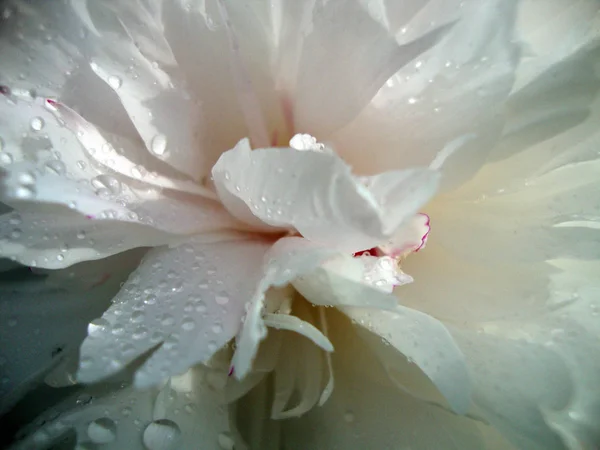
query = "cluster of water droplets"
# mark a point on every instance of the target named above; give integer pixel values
(123, 418)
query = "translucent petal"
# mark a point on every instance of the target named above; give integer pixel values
(188, 301)
(367, 411)
(510, 388)
(315, 39)
(316, 194)
(425, 342)
(292, 323)
(449, 92)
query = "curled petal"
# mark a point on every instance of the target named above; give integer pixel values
(316, 194)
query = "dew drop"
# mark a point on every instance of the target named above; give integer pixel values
(222, 299)
(107, 183)
(188, 324)
(56, 167)
(162, 434)
(102, 431)
(114, 82)
(159, 144)
(139, 333)
(37, 123)
(97, 326)
(137, 316)
(6, 158)
(26, 178)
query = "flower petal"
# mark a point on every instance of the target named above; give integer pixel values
(314, 41)
(340, 282)
(511, 388)
(449, 94)
(316, 194)
(427, 343)
(300, 375)
(367, 411)
(293, 323)
(103, 152)
(120, 416)
(288, 259)
(36, 237)
(190, 299)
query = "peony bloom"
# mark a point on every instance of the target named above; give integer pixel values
(300, 224)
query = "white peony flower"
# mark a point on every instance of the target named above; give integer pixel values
(287, 161)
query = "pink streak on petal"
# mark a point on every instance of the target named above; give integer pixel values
(231, 370)
(426, 235)
(89, 217)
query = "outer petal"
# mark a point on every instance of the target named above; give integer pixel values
(450, 94)
(366, 411)
(422, 339)
(43, 322)
(314, 40)
(190, 299)
(54, 241)
(184, 412)
(316, 194)
(513, 389)
(63, 237)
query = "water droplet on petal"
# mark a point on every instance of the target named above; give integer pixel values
(162, 434)
(106, 184)
(56, 167)
(137, 316)
(159, 144)
(102, 431)
(97, 326)
(37, 123)
(114, 82)
(6, 158)
(188, 324)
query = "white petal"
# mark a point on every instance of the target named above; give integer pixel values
(288, 259)
(450, 92)
(340, 282)
(166, 117)
(511, 388)
(292, 323)
(327, 84)
(300, 375)
(425, 342)
(103, 152)
(61, 239)
(189, 298)
(549, 36)
(410, 238)
(316, 194)
(185, 412)
(367, 411)
(215, 83)
(27, 182)
(42, 323)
